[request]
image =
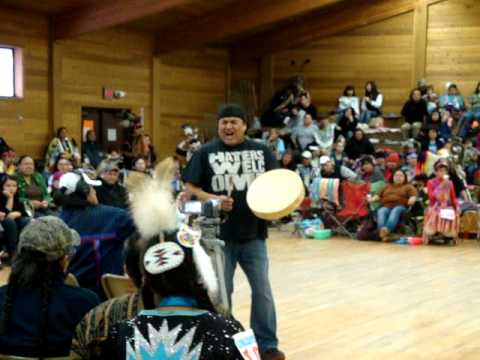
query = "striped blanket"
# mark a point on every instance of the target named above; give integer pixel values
(325, 189)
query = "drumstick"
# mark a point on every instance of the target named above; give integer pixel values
(230, 187)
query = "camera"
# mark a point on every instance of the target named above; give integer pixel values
(210, 209)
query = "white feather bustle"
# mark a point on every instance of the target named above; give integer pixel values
(205, 269)
(152, 204)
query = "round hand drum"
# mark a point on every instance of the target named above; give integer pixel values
(275, 194)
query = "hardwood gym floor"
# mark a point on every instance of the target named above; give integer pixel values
(351, 300)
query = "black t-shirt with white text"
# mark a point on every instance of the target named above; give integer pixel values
(216, 168)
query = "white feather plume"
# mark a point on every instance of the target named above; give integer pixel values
(152, 203)
(205, 269)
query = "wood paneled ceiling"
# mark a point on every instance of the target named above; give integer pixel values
(255, 27)
(47, 6)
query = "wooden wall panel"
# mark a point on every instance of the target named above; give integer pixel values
(381, 52)
(245, 86)
(453, 45)
(193, 87)
(114, 58)
(24, 123)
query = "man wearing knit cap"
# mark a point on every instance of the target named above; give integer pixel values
(223, 169)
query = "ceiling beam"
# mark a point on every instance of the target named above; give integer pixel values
(342, 17)
(104, 14)
(237, 18)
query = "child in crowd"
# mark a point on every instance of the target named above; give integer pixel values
(442, 217)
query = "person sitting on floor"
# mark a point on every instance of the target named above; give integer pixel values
(39, 312)
(442, 217)
(394, 199)
(111, 193)
(13, 217)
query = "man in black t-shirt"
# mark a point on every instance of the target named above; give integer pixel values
(223, 169)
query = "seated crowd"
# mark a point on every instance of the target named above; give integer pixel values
(70, 214)
(440, 136)
(73, 218)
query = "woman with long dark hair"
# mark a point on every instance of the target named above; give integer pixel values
(184, 282)
(372, 103)
(38, 311)
(13, 216)
(182, 320)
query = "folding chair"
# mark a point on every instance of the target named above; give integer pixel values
(117, 285)
(354, 208)
(71, 280)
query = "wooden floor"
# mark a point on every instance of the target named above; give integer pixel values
(351, 300)
(344, 299)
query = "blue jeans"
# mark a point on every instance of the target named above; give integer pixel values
(367, 115)
(252, 258)
(389, 217)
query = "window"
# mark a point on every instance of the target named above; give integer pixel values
(7, 72)
(11, 72)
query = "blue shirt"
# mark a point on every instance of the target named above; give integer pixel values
(103, 231)
(66, 307)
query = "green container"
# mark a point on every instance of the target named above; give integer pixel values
(322, 234)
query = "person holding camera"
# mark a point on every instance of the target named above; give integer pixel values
(223, 169)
